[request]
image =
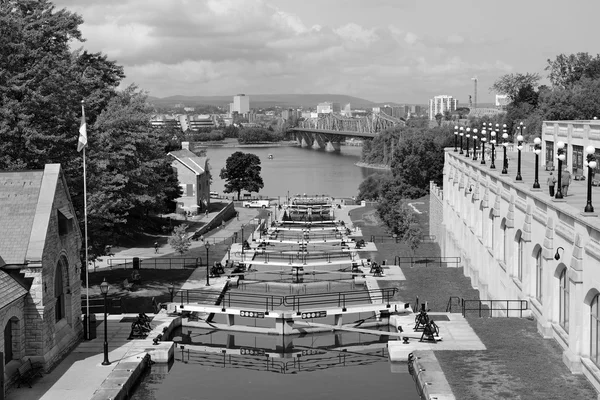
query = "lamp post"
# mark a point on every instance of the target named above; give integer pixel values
(104, 290)
(591, 163)
(474, 145)
(537, 150)
(468, 135)
(519, 148)
(461, 134)
(560, 151)
(172, 291)
(207, 245)
(455, 138)
(242, 242)
(493, 143)
(504, 144)
(483, 140)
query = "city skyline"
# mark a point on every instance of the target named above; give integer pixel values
(390, 51)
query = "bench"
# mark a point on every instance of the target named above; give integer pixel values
(27, 372)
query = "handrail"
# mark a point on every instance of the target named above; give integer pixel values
(427, 261)
(340, 299)
(156, 263)
(449, 305)
(227, 299)
(482, 305)
(114, 305)
(383, 239)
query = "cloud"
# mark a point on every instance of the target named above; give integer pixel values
(215, 47)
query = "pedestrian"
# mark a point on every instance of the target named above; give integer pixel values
(551, 184)
(206, 213)
(565, 181)
(155, 247)
(202, 238)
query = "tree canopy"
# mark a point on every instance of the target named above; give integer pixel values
(242, 172)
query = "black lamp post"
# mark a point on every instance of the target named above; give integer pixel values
(172, 291)
(104, 290)
(455, 138)
(461, 140)
(504, 144)
(519, 148)
(591, 163)
(468, 135)
(537, 150)
(207, 245)
(560, 151)
(474, 145)
(483, 140)
(493, 143)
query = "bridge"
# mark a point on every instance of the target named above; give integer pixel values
(327, 131)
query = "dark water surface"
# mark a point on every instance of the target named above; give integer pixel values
(318, 367)
(298, 170)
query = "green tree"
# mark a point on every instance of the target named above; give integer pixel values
(179, 240)
(371, 188)
(512, 84)
(242, 172)
(129, 173)
(565, 71)
(438, 118)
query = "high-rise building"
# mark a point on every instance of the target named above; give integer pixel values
(241, 104)
(328, 108)
(441, 104)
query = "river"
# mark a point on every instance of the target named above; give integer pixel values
(298, 170)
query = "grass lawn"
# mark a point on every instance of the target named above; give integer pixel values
(518, 364)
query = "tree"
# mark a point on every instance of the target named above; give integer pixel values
(565, 71)
(438, 118)
(511, 84)
(242, 172)
(179, 240)
(371, 187)
(129, 173)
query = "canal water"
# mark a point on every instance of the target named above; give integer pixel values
(216, 365)
(298, 170)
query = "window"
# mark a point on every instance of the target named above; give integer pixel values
(491, 233)
(577, 160)
(520, 259)
(538, 275)
(8, 351)
(59, 308)
(594, 331)
(64, 217)
(563, 301)
(550, 157)
(504, 244)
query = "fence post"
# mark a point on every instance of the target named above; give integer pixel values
(479, 308)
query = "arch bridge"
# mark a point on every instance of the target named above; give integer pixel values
(329, 130)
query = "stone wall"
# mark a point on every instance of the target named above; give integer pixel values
(436, 216)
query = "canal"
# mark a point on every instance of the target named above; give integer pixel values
(298, 170)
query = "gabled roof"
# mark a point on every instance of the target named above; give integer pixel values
(190, 160)
(26, 201)
(11, 289)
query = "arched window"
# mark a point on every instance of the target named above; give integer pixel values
(563, 301)
(8, 342)
(491, 232)
(504, 243)
(520, 258)
(594, 331)
(59, 295)
(538, 275)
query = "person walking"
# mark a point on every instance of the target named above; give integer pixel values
(155, 247)
(551, 184)
(565, 181)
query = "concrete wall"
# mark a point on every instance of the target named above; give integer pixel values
(436, 215)
(500, 225)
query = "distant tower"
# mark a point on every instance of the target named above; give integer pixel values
(474, 92)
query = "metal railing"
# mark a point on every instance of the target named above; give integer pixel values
(495, 305)
(339, 299)
(427, 261)
(228, 299)
(459, 303)
(155, 263)
(387, 239)
(301, 256)
(114, 305)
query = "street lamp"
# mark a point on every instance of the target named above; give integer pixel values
(207, 245)
(591, 163)
(474, 145)
(483, 140)
(242, 241)
(519, 148)
(455, 138)
(504, 144)
(104, 290)
(560, 151)
(537, 150)
(493, 143)
(461, 139)
(468, 135)
(172, 291)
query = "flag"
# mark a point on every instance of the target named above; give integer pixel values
(82, 131)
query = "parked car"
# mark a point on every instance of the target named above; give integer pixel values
(257, 204)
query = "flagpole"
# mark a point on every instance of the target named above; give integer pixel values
(87, 282)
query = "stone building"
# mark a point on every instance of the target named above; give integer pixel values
(40, 285)
(194, 179)
(519, 244)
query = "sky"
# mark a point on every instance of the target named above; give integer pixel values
(403, 51)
